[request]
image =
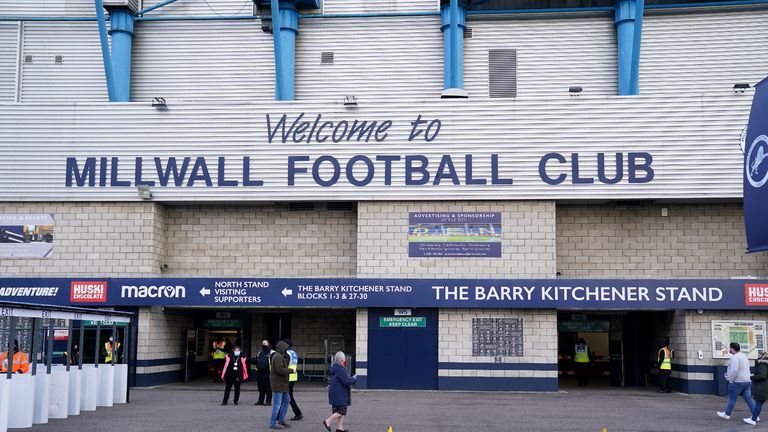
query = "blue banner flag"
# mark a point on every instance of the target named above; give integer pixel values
(756, 172)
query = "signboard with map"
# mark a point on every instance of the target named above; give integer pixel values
(750, 335)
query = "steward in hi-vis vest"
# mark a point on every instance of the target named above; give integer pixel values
(20, 360)
(108, 349)
(665, 366)
(293, 365)
(581, 359)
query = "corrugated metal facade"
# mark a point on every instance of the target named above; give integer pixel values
(707, 52)
(552, 54)
(368, 6)
(57, 8)
(202, 60)
(203, 7)
(693, 140)
(80, 75)
(374, 58)
(9, 35)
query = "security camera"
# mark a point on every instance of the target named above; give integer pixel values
(163, 267)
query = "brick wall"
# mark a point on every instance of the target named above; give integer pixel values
(528, 241)
(265, 241)
(694, 241)
(162, 338)
(95, 239)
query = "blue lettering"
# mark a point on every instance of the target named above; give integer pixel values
(421, 169)
(89, 172)
(387, 167)
(362, 128)
(323, 126)
(138, 171)
(316, 171)
(247, 174)
(334, 137)
(382, 130)
(351, 167)
(281, 125)
(645, 166)
(495, 179)
(103, 170)
(222, 171)
(601, 169)
(575, 171)
(429, 128)
(543, 169)
(468, 169)
(178, 175)
(293, 170)
(446, 162)
(113, 181)
(415, 124)
(200, 165)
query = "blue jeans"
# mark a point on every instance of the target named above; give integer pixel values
(758, 408)
(743, 389)
(280, 402)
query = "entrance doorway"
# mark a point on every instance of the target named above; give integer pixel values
(623, 346)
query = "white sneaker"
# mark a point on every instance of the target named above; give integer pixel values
(723, 415)
(749, 420)
(758, 419)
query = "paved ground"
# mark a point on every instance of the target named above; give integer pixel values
(183, 408)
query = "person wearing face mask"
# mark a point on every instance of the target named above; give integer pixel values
(234, 372)
(262, 374)
(739, 383)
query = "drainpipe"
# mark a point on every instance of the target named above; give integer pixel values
(453, 16)
(285, 27)
(117, 64)
(629, 24)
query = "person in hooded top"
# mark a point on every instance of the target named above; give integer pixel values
(234, 372)
(278, 377)
(759, 388)
(339, 392)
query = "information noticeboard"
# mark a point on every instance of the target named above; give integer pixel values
(750, 335)
(497, 337)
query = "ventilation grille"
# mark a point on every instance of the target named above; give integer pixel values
(301, 206)
(502, 73)
(326, 57)
(467, 33)
(28, 59)
(58, 59)
(342, 206)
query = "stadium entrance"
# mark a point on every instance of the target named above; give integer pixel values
(622, 347)
(316, 334)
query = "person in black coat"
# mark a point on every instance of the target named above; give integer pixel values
(234, 372)
(262, 374)
(759, 387)
(339, 392)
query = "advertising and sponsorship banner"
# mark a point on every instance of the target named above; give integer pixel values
(450, 235)
(26, 235)
(756, 172)
(724, 294)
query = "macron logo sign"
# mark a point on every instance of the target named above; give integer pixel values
(88, 292)
(756, 294)
(152, 291)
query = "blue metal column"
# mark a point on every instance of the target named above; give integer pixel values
(121, 21)
(285, 27)
(629, 22)
(453, 16)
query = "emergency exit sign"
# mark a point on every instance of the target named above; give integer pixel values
(400, 321)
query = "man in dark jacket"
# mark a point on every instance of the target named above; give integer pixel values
(279, 379)
(262, 374)
(759, 388)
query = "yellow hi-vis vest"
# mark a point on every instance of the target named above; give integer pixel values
(218, 351)
(108, 349)
(666, 364)
(582, 353)
(293, 365)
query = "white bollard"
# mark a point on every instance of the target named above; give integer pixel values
(106, 385)
(121, 383)
(42, 397)
(5, 386)
(75, 385)
(58, 403)
(21, 404)
(89, 393)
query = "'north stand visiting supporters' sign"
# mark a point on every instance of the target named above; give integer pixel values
(724, 294)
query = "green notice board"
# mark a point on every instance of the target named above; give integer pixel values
(402, 321)
(104, 323)
(223, 323)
